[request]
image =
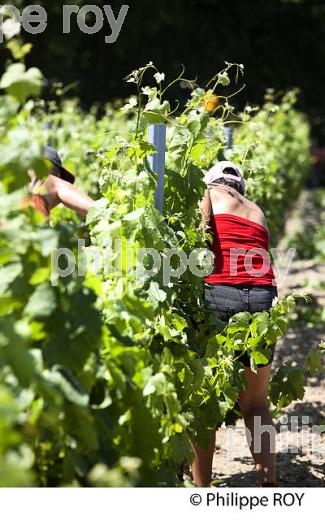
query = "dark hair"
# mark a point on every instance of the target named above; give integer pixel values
(232, 184)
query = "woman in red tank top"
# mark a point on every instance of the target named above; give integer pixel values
(242, 280)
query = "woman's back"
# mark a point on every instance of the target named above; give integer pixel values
(226, 200)
(240, 240)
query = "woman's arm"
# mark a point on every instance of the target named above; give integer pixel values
(69, 195)
(206, 209)
(75, 199)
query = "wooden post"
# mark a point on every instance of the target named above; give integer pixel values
(157, 137)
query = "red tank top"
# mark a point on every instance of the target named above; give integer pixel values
(39, 202)
(241, 252)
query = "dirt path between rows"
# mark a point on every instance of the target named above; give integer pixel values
(300, 462)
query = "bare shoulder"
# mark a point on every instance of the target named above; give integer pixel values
(51, 182)
(253, 206)
(215, 193)
(225, 193)
(256, 212)
(55, 184)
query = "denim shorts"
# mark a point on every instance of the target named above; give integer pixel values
(227, 300)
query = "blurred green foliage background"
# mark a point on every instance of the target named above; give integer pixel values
(280, 42)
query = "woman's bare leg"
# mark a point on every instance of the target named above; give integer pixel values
(202, 464)
(254, 406)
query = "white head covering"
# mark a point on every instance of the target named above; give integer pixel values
(217, 172)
